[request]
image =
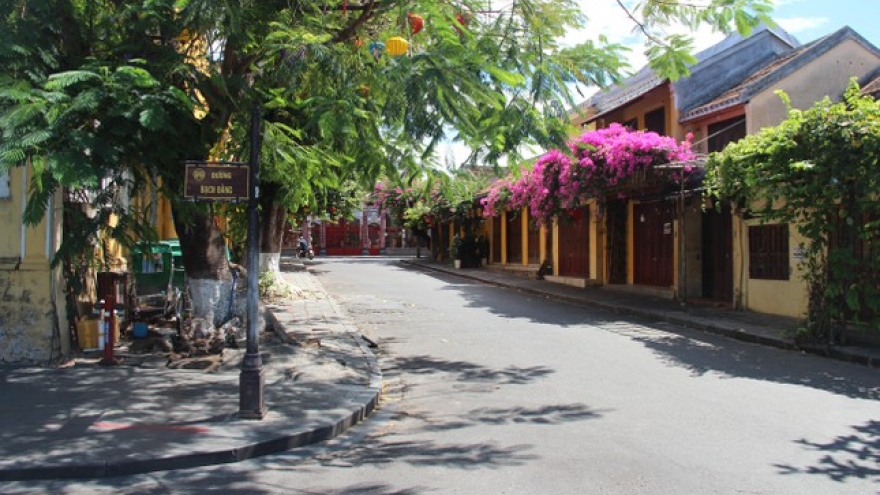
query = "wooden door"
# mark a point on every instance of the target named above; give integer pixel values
(616, 249)
(717, 253)
(534, 239)
(653, 250)
(514, 239)
(574, 244)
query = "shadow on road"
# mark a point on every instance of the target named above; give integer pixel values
(701, 354)
(856, 455)
(696, 351)
(428, 453)
(469, 372)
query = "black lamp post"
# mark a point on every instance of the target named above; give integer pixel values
(251, 403)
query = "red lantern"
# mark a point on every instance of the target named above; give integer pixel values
(358, 42)
(416, 23)
(462, 20)
(365, 90)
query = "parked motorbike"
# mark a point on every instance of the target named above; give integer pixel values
(303, 252)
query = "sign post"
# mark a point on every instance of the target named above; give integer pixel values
(251, 403)
(216, 181)
(237, 181)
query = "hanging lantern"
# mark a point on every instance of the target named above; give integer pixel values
(185, 36)
(364, 90)
(377, 48)
(396, 46)
(416, 23)
(358, 42)
(462, 20)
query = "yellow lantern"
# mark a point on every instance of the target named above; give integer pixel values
(396, 46)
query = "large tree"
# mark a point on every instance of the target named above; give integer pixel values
(113, 95)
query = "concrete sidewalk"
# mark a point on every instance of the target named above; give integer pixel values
(741, 325)
(91, 421)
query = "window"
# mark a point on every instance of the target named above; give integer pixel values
(632, 124)
(768, 252)
(655, 121)
(725, 132)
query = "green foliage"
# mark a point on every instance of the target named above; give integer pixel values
(820, 171)
(273, 288)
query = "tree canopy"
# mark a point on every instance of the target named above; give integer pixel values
(114, 95)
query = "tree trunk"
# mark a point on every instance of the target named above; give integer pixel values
(212, 288)
(272, 223)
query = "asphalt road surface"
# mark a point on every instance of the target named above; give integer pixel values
(497, 392)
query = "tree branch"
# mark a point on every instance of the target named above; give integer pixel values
(642, 27)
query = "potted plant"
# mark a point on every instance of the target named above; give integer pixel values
(455, 250)
(483, 249)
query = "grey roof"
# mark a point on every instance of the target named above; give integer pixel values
(763, 44)
(773, 72)
(871, 83)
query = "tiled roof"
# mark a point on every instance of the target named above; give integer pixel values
(871, 84)
(645, 80)
(774, 72)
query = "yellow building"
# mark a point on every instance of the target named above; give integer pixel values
(33, 309)
(678, 246)
(767, 277)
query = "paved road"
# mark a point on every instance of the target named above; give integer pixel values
(496, 392)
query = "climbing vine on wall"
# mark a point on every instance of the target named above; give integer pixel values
(819, 171)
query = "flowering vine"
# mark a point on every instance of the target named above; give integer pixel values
(601, 162)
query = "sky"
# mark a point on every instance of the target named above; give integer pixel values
(806, 20)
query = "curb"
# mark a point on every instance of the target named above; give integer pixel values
(827, 352)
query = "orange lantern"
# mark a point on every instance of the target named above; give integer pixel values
(416, 23)
(358, 42)
(396, 46)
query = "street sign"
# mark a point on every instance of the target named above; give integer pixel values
(216, 181)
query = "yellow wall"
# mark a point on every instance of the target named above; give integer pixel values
(654, 99)
(524, 236)
(542, 244)
(597, 240)
(779, 297)
(33, 292)
(158, 210)
(554, 246)
(828, 75)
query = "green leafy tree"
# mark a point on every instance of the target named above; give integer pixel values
(116, 95)
(819, 171)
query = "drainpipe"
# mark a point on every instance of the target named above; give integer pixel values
(22, 244)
